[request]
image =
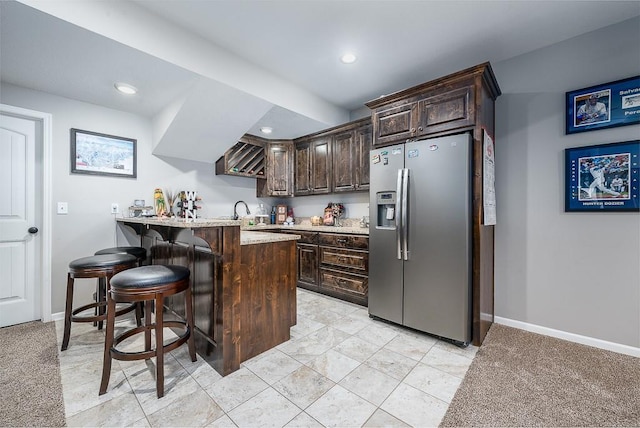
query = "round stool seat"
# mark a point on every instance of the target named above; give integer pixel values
(139, 252)
(149, 276)
(101, 261)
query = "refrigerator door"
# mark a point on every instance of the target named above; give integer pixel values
(385, 267)
(437, 281)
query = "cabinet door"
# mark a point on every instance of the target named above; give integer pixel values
(279, 167)
(321, 165)
(302, 172)
(344, 162)
(308, 264)
(395, 124)
(447, 111)
(363, 138)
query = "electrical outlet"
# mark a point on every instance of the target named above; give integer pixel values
(115, 209)
(63, 208)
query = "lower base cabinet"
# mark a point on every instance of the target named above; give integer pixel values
(334, 264)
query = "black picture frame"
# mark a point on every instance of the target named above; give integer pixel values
(603, 177)
(603, 106)
(102, 154)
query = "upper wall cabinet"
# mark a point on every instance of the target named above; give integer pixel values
(351, 148)
(434, 108)
(312, 173)
(279, 170)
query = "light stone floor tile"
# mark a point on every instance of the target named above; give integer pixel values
(447, 361)
(383, 419)
(377, 333)
(414, 407)
(341, 408)
(395, 365)
(119, 411)
(303, 420)
(348, 324)
(303, 386)
(81, 397)
(370, 384)
(222, 422)
(236, 388)
(194, 410)
(274, 366)
(333, 365)
(267, 409)
(411, 376)
(433, 381)
(356, 348)
(410, 346)
(305, 325)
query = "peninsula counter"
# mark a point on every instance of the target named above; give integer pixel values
(243, 283)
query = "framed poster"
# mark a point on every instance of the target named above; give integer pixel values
(102, 154)
(603, 106)
(604, 177)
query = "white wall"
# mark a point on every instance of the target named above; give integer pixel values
(573, 272)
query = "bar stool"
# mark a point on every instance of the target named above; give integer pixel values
(147, 284)
(102, 267)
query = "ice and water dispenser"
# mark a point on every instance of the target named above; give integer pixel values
(386, 204)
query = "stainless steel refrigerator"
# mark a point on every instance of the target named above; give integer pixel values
(420, 236)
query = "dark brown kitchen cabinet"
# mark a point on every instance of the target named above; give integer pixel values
(344, 266)
(279, 166)
(441, 109)
(343, 161)
(363, 139)
(312, 174)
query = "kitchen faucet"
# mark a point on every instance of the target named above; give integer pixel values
(235, 211)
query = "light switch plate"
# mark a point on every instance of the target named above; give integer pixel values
(63, 208)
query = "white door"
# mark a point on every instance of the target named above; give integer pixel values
(20, 292)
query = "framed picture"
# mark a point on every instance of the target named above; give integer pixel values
(101, 154)
(604, 106)
(604, 177)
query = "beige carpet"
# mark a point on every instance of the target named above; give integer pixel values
(30, 387)
(524, 379)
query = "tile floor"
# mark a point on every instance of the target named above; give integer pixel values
(340, 369)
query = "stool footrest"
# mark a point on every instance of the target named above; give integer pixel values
(100, 317)
(145, 355)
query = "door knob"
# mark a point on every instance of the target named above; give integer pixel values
(32, 230)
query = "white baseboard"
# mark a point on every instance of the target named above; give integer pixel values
(57, 316)
(571, 337)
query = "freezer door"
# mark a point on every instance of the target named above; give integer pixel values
(385, 268)
(437, 281)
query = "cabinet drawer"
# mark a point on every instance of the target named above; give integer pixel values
(344, 283)
(353, 259)
(344, 241)
(305, 237)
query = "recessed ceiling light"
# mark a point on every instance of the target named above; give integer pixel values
(266, 130)
(348, 58)
(125, 88)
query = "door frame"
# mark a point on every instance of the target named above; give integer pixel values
(44, 136)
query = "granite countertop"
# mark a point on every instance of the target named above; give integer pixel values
(248, 237)
(179, 222)
(357, 230)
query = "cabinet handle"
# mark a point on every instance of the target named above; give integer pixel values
(419, 128)
(341, 241)
(413, 130)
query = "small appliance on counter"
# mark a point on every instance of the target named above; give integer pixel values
(138, 209)
(261, 215)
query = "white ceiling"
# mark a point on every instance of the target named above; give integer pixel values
(279, 50)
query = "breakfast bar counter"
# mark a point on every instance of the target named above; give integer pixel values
(243, 283)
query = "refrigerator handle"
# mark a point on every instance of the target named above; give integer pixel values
(398, 213)
(405, 213)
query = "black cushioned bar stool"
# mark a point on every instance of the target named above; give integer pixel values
(149, 284)
(102, 267)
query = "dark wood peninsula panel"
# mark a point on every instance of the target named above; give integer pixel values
(244, 296)
(460, 102)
